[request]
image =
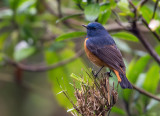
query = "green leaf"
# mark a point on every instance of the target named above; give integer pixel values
(118, 111)
(70, 35)
(104, 15)
(123, 5)
(112, 3)
(136, 68)
(152, 79)
(68, 17)
(158, 49)
(146, 13)
(23, 53)
(3, 36)
(25, 6)
(126, 36)
(92, 11)
(1, 56)
(77, 77)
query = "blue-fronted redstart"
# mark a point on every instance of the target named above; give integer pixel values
(101, 49)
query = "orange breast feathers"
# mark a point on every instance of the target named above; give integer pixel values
(92, 57)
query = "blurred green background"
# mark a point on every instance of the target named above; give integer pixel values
(41, 44)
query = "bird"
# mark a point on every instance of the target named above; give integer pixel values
(101, 49)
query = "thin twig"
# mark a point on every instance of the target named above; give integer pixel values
(155, 7)
(145, 93)
(48, 7)
(80, 7)
(50, 10)
(134, 11)
(97, 1)
(43, 68)
(59, 8)
(142, 2)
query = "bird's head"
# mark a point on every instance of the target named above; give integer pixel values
(95, 29)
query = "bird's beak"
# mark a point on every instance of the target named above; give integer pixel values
(84, 26)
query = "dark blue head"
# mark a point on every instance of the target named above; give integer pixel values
(95, 29)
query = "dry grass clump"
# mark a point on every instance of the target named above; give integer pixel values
(97, 99)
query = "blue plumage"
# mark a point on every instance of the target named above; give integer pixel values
(98, 35)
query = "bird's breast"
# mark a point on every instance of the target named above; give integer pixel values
(92, 57)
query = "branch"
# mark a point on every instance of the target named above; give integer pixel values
(148, 47)
(48, 7)
(142, 3)
(155, 7)
(145, 93)
(80, 7)
(135, 30)
(59, 8)
(50, 10)
(43, 68)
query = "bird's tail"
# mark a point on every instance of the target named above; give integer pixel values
(123, 80)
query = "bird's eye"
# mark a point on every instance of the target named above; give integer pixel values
(94, 27)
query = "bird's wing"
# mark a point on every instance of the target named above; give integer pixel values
(109, 54)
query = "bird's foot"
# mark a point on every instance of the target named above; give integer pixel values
(108, 74)
(95, 75)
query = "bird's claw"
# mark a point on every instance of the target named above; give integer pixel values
(108, 74)
(95, 75)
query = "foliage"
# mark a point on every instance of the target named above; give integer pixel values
(43, 28)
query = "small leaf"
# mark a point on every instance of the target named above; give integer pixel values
(67, 17)
(70, 110)
(3, 36)
(118, 111)
(1, 56)
(126, 36)
(146, 13)
(77, 77)
(123, 5)
(105, 13)
(158, 49)
(92, 11)
(60, 92)
(70, 35)
(25, 5)
(23, 53)
(112, 3)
